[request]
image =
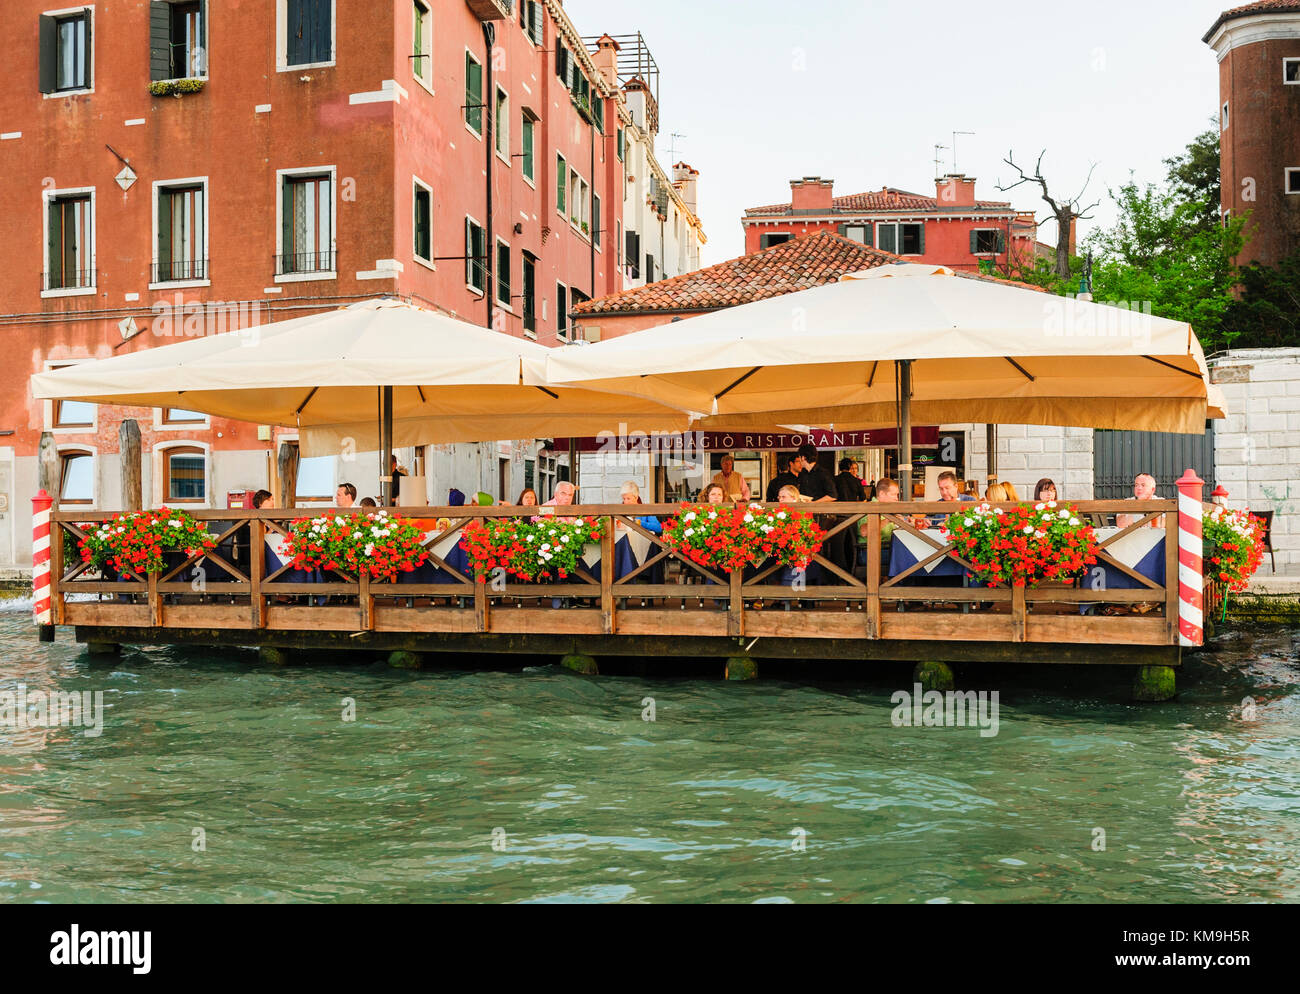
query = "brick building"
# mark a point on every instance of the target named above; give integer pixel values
(1258, 47)
(178, 168)
(951, 229)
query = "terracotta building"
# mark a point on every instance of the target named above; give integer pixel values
(952, 228)
(179, 168)
(1258, 47)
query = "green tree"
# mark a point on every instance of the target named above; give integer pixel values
(1194, 174)
(1267, 314)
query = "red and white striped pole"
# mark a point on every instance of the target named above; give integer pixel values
(41, 505)
(1191, 579)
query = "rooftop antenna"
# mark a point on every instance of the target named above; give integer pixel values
(938, 159)
(672, 148)
(954, 146)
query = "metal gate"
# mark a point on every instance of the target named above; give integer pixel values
(1118, 456)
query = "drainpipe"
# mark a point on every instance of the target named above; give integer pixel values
(592, 173)
(489, 147)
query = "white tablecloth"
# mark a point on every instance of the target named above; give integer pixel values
(1133, 547)
(919, 549)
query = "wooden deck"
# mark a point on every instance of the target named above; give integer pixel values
(862, 615)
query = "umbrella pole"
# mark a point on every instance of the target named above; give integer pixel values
(905, 429)
(992, 431)
(386, 446)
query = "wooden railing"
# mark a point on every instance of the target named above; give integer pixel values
(237, 591)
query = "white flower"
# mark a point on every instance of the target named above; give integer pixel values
(370, 549)
(748, 518)
(969, 522)
(713, 514)
(688, 533)
(1051, 503)
(689, 517)
(173, 524)
(1040, 534)
(1039, 507)
(1028, 529)
(531, 537)
(579, 522)
(545, 546)
(780, 515)
(1063, 515)
(1074, 522)
(564, 538)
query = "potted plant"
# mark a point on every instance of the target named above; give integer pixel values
(1022, 546)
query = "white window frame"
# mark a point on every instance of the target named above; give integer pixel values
(1223, 117)
(93, 452)
(562, 163)
(46, 197)
(161, 424)
(593, 234)
(501, 112)
(158, 186)
(280, 175)
(1290, 82)
(987, 254)
(562, 314)
(417, 182)
(47, 411)
(583, 189)
(898, 236)
(91, 26)
(282, 39)
(426, 61)
(464, 114)
(496, 278)
(526, 114)
(1286, 181)
(468, 248)
(159, 458)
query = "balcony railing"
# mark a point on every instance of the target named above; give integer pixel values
(180, 270)
(304, 262)
(68, 279)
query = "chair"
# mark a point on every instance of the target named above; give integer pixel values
(1266, 518)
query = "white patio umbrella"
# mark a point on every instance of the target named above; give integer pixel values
(328, 374)
(973, 350)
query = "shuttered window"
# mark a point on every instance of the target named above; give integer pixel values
(503, 274)
(475, 255)
(529, 145)
(901, 239)
(777, 238)
(310, 32)
(69, 252)
(473, 94)
(181, 252)
(178, 40)
(561, 310)
(423, 222)
(988, 241)
(860, 233)
(595, 220)
(66, 53)
(561, 182)
(307, 225)
(530, 292)
(420, 50)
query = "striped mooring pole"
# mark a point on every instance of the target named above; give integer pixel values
(1191, 579)
(41, 505)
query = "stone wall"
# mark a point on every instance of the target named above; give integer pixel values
(1257, 449)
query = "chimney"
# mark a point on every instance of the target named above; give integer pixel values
(812, 193)
(642, 106)
(687, 180)
(955, 190)
(1074, 227)
(606, 59)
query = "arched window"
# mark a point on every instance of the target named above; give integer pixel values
(185, 474)
(76, 477)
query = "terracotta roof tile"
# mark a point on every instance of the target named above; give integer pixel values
(888, 199)
(799, 264)
(1262, 7)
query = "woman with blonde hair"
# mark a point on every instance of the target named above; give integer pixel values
(997, 494)
(1011, 491)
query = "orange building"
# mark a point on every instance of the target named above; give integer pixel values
(180, 168)
(951, 229)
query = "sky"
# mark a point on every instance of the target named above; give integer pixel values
(764, 91)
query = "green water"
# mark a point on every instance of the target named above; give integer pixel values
(596, 804)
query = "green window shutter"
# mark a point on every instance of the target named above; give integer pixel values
(921, 240)
(868, 234)
(561, 180)
(526, 135)
(286, 223)
(49, 53)
(473, 93)
(1002, 241)
(974, 241)
(166, 205)
(88, 78)
(889, 238)
(160, 41)
(842, 230)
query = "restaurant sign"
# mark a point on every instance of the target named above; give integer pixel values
(691, 442)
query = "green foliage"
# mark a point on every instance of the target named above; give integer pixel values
(176, 87)
(1194, 174)
(1267, 315)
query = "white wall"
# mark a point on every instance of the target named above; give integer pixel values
(1257, 449)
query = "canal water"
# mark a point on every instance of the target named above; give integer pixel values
(218, 779)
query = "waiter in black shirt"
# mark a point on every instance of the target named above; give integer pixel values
(818, 483)
(789, 466)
